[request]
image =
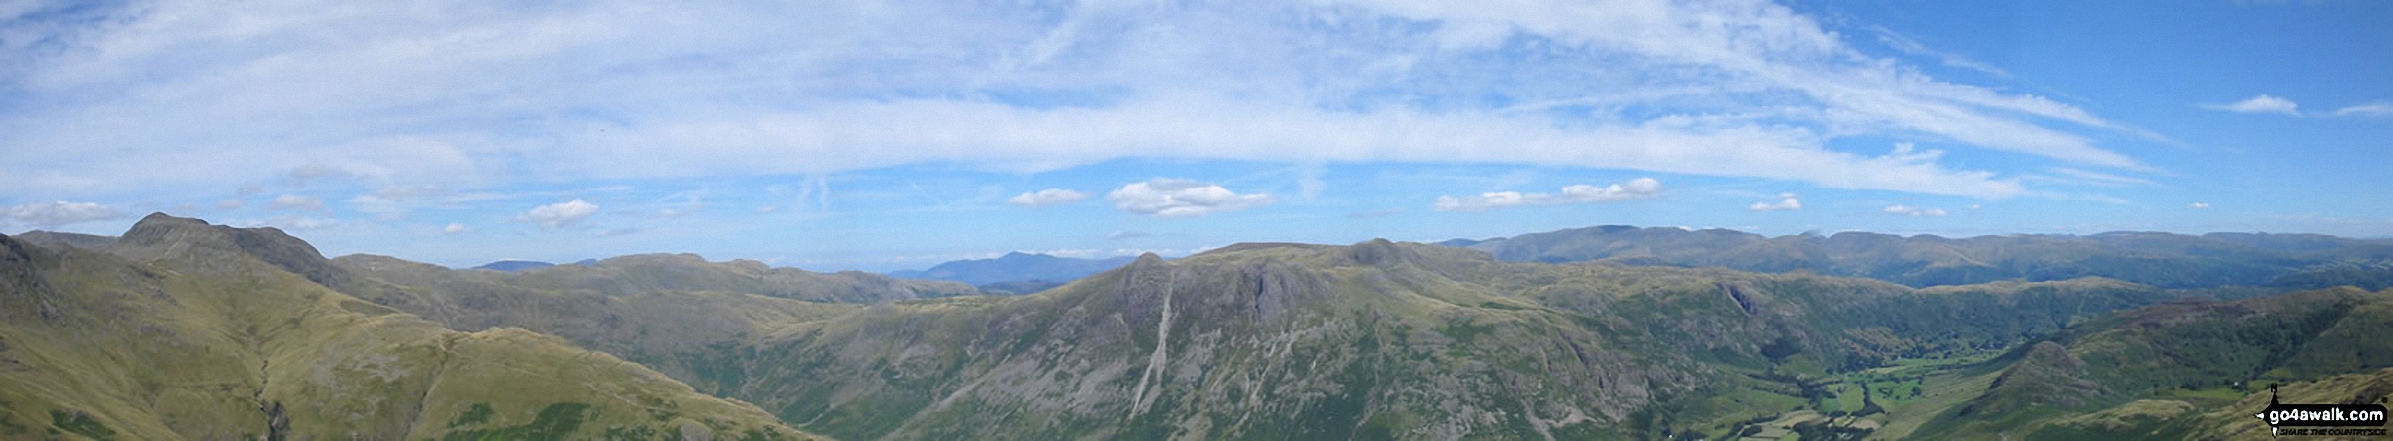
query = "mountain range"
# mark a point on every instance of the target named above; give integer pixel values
(184, 330)
(179, 330)
(2158, 259)
(1016, 272)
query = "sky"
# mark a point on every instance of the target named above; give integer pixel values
(883, 135)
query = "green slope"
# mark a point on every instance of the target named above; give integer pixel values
(182, 330)
(2183, 369)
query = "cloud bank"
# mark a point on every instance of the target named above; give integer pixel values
(204, 96)
(1640, 188)
(57, 213)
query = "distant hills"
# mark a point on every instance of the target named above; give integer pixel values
(1017, 272)
(514, 265)
(2158, 259)
(183, 330)
(526, 265)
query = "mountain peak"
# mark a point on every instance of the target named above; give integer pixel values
(1378, 252)
(160, 229)
(162, 236)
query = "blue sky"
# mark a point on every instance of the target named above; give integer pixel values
(897, 134)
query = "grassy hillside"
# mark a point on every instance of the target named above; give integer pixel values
(182, 330)
(2184, 369)
(685, 334)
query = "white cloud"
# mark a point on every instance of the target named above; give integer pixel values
(1181, 197)
(297, 202)
(230, 204)
(1640, 188)
(1907, 45)
(1047, 197)
(2260, 104)
(1786, 201)
(290, 223)
(2100, 179)
(1906, 210)
(560, 214)
(455, 228)
(2200, 205)
(456, 93)
(57, 213)
(2370, 109)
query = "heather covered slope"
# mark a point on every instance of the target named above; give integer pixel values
(183, 330)
(2158, 259)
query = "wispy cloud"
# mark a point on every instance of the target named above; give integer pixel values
(55, 213)
(1640, 188)
(2100, 179)
(297, 202)
(1786, 201)
(460, 95)
(2199, 205)
(1907, 210)
(2263, 103)
(1906, 45)
(1180, 197)
(1047, 197)
(2370, 109)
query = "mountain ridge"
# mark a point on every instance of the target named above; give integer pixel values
(1016, 272)
(191, 330)
(2161, 259)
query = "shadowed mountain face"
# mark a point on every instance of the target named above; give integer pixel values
(2158, 259)
(184, 330)
(1017, 272)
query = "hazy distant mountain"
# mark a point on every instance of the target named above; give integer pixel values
(184, 330)
(2159, 259)
(1017, 272)
(514, 265)
(57, 239)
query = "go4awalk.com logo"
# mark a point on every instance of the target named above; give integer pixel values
(2322, 419)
